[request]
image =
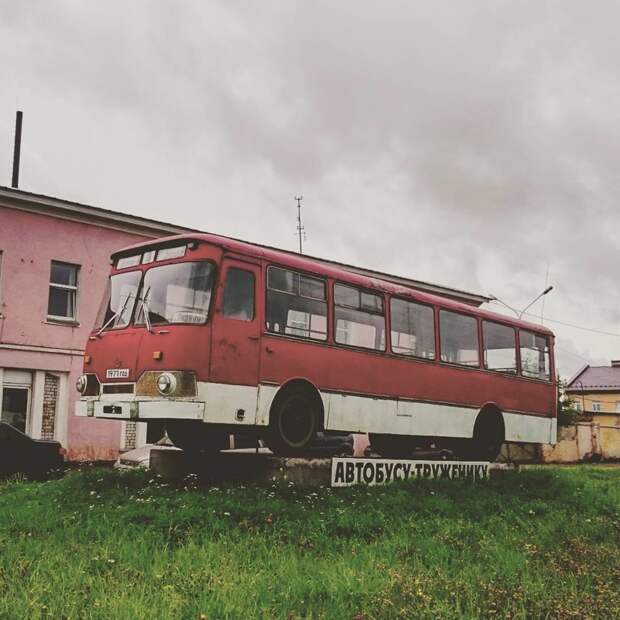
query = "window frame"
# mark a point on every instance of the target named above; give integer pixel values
(54, 318)
(155, 265)
(520, 374)
(326, 301)
(230, 268)
(434, 315)
(597, 406)
(108, 290)
(142, 270)
(516, 372)
(383, 314)
(479, 365)
(299, 273)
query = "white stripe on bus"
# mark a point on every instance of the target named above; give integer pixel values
(365, 414)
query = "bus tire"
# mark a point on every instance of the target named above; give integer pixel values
(195, 436)
(488, 437)
(294, 422)
(392, 446)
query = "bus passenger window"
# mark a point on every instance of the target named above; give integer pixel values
(459, 338)
(239, 295)
(296, 304)
(360, 320)
(413, 329)
(500, 347)
(534, 351)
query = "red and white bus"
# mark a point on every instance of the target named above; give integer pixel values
(212, 336)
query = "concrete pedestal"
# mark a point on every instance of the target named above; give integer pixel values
(241, 466)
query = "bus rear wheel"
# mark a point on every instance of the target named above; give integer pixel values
(487, 440)
(294, 422)
(194, 436)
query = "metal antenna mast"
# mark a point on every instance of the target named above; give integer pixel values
(301, 231)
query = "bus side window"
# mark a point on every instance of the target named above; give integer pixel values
(360, 319)
(413, 328)
(239, 295)
(534, 351)
(296, 304)
(500, 347)
(459, 338)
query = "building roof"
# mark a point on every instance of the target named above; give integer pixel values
(595, 379)
(75, 211)
(86, 214)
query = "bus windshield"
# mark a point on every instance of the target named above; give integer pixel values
(176, 293)
(119, 300)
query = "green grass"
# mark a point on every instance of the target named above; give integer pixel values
(543, 543)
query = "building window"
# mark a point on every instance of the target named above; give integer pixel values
(62, 303)
(296, 304)
(618, 406)
(596, 406)
(459, 338)
(16, 391)
(413, 328)
(578, 406)
(500, 347)
(360, 319)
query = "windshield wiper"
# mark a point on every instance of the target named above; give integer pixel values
(146, 310)
(116, 314)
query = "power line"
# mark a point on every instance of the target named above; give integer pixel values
(585, 329)
(572, 353)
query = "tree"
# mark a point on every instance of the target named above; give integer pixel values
(568, 414)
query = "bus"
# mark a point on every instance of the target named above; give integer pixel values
(209, 336)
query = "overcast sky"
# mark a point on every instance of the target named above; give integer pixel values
(471, 144)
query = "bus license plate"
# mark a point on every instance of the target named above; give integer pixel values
(117, 373)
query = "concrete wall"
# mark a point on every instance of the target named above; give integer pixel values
(28, 340)
(582, 442)
(609, 434)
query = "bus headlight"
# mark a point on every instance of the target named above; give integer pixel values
(166, 383)
(81, 384)
(177, 383)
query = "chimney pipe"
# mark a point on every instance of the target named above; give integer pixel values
(17, 149)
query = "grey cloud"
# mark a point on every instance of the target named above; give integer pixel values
(470, 144)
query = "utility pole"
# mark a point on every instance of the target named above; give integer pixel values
(17, 149)
(300, 228)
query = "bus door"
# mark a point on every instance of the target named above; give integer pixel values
(235, 340)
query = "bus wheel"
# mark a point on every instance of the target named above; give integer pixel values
(488, 438)
(294, 423)
(392, 446)
(195, 436)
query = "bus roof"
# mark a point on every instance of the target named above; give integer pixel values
(330, 269)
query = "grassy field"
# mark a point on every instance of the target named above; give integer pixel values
(543, 543)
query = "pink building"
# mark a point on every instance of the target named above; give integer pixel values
(54, 262)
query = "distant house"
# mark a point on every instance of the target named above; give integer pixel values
(54, 263)
(596, 392)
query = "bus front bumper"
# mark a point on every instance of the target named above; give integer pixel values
(140, 409)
